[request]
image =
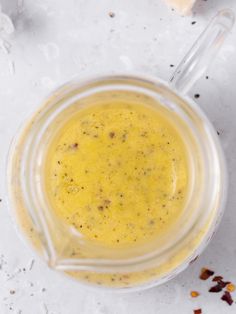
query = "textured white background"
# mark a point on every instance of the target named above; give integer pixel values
(57, 40)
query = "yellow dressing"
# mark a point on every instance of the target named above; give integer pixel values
(118, 173)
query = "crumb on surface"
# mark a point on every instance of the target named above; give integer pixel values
(111, 14)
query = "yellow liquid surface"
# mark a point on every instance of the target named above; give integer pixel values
(118, 173)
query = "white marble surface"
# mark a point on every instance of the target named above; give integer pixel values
(57, 40)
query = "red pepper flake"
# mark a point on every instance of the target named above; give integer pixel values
(194, 294)
(216, 288)
(220, 284)
(227, 298)
(206, 273)
(224, 283)
(217, 278)
(198, 311)
(230, 287)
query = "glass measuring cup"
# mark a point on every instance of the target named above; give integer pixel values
(59, 244)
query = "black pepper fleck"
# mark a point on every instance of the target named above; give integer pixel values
(112, 134)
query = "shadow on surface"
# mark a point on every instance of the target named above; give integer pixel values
(203, 7)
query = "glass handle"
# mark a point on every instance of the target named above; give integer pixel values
(197, 60)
